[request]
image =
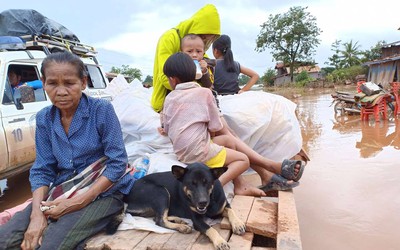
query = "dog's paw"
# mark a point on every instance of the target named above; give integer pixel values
(185, 229)
(238, 227)
(176, 219)
(223, 246)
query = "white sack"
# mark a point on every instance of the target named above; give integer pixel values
(265, 121)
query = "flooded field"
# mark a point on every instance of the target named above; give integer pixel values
(348, 197)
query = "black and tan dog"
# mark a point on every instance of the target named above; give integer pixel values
(193, 192)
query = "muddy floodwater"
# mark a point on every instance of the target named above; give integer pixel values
(349, 194)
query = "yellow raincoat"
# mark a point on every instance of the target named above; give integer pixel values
(204, 21)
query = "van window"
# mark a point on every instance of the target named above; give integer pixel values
(23, 83)
(96, 79)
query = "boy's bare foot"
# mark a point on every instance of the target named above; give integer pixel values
(248, 190)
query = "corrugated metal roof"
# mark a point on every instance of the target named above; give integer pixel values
(383, 60)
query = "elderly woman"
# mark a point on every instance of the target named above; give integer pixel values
(79, 177)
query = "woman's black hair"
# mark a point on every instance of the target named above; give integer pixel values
(223, 44)
(64, 57)
(180, 65)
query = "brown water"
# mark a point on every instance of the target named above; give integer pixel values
(348, 197)
(349, 193)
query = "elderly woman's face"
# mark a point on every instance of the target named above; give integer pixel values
(63, 85)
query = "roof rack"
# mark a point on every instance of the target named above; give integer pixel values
(51, 44)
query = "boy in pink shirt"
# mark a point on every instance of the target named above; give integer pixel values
(190, 115)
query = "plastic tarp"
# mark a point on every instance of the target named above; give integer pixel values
(20, 22)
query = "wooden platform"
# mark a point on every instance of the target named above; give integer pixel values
(271, 223)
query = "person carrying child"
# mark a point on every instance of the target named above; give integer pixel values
(205, 23)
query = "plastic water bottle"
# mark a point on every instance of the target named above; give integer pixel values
(199, 74)
(142, 167)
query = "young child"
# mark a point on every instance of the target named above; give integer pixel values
(193, 45)
(227, 70)
(190, 114)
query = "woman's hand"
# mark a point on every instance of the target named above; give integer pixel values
(60, 207)
(33, 235)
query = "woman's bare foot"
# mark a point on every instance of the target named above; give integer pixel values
(248, 190)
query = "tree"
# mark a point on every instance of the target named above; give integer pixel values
(243, 79)
(374, 53)
(125, 70)
(148, 81)
(334, 60)
(350, 55)
(291, 36)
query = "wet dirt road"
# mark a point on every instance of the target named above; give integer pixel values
(348, 197)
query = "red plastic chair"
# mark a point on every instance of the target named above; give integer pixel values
(375, 110)
(396, 93)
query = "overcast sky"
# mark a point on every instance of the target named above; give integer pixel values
(126, 31)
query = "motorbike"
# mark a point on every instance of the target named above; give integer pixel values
(344, 103)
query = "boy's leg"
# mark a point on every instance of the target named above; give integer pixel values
(72, 230)
(12, 233)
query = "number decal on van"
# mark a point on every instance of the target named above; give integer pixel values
(17, 134)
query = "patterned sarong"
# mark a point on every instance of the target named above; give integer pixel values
(81, 182)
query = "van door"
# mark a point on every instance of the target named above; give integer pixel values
(97, 82)
(19, 108)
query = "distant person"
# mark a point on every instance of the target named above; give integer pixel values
(79, 176)
(205, 23)
(227, 70)
(15, 76)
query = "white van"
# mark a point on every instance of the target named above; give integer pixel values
(18, 110)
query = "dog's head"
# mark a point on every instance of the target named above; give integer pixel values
(198, 182)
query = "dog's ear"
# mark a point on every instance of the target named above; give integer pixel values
(178, 171)
(217, 172)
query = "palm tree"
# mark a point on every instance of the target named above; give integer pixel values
(350, 56)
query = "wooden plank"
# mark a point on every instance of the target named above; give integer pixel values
(123, 240)
(242, 206)
(288, 226)
(263, 218)
(180, 241)
(152, 241)
(241, 242)
(204, 243)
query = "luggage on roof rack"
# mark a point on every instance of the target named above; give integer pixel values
(20, 22)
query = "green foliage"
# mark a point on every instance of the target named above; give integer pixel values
(374, 53)
(148, 80)
(350, 56)
(291, 36)
(127, 71)
(334, 60)
(303, 78)
(341, 75)
(268, 77)
(345, 55)
(243, 79)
